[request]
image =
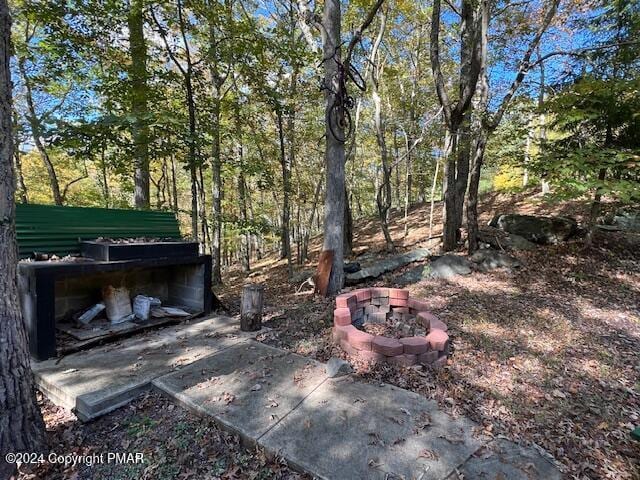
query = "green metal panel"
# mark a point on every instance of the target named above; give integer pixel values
(53, 229)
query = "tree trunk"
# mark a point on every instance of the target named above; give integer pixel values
(245, 236)
(456, 114)
(596, 206)
(285, 162)
(251, 308)
(449, 227)
(407, 189)
(216, 194)
(383, 194)
(202, 205)
(348, 225)
(309, 226)
(22, 187)
(435, 183)
(105, 178)
(174, 184)
(21, 425)
(36, 133)
(139, 127)
(334, 151)
(474, 184)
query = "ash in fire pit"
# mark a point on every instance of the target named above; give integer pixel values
(384, 324)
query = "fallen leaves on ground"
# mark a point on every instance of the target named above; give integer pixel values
(547, 355)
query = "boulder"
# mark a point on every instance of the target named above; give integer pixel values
(489, 259)
(386, 264)
(627, 220)
(448, 266)
(352, 267)
(337, 367)
(498, 239)
(413, 275)
(536, 229)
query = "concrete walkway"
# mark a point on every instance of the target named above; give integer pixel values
(338, 429)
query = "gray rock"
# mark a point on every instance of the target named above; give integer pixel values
(489, 259)
(337, 367)
(352, 267)
(301, 276)
(542, 230)
(449, 265)
(499, 239)
(386, 264)
(413, 275)
(627, 220)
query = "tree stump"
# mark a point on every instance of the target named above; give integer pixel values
(251, 308)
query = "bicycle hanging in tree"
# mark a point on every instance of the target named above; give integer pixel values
(339, 116)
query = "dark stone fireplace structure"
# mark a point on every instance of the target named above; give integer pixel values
(51, 291)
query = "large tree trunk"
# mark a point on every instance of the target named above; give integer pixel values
(334, 152)
(21, 425)
(456, 114)
(138, 79)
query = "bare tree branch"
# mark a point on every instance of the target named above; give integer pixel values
(357, 36)
(435, 62)
(581, 52)
(524, 66)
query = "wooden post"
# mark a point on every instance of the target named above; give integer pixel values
(251, 307)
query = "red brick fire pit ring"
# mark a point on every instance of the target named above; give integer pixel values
(380, 303)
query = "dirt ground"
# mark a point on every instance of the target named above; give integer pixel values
(548, 354)
(175, 444)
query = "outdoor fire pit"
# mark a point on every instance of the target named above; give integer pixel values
(385, 325)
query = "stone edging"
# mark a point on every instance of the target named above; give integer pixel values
(379, 303)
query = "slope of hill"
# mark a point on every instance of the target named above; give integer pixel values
(545, 354)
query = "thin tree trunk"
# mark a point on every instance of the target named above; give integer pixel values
(435, 183)
(22, 187)
(596, 207)
(105, 179)
(245, 236)
(407, 188)
(472, 201)
(348, 225)
(309, 226)
(285, 234)
(383, 194)
(21, 425)
(174, 183)
(36, 133)
(187, 75)
(216, 195)
(139, 127)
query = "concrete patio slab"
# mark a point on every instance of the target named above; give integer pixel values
(504, 459)
(348, 429)
(96, 381)
(248, 388)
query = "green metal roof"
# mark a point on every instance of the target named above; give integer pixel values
(54, 229)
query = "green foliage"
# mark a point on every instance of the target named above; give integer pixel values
(508, 178)
(597, 141)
